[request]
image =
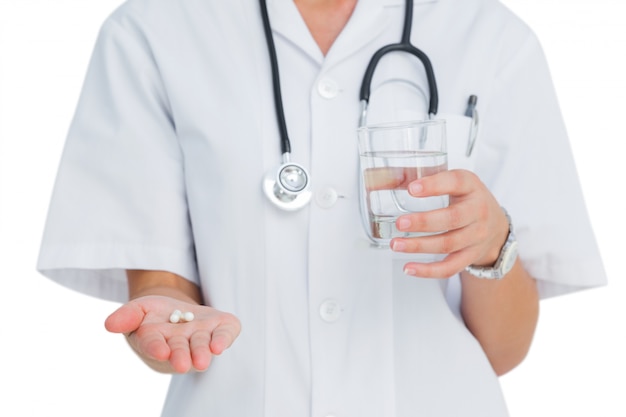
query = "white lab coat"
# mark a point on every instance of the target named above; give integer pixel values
(163, 167)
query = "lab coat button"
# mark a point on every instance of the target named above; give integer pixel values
(330, 311)
(326, 197)
(327, 88)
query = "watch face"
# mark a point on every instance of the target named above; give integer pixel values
(509, 258)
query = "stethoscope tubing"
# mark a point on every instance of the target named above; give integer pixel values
(285, 143)
(405, 45)
(433, 102)
(282, 194)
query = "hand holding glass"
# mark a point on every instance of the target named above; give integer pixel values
(391, 157)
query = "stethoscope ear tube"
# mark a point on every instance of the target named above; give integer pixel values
(405, 45)
(433, 103)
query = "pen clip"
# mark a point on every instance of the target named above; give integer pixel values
(473, 133)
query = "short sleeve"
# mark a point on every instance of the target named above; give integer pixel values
(526, 160)
(119, 199)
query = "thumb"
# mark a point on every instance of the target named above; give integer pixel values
(125, 319)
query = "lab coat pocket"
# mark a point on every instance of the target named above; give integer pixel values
(459, 132)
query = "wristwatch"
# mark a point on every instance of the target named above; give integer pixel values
(505, 261)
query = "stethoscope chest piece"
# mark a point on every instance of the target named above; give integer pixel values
(289, 189)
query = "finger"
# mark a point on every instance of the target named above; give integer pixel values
(200, 351)
(442, 243)
(125, 319)
(180, 357)
(224, 335)
(456, 182)
(453, 217)
(151, 343)
(449, 266)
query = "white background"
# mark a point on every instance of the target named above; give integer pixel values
(57, 359)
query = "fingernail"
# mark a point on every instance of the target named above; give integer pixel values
(403, 223)
(398, 245)
(415, 188)
(409, 271)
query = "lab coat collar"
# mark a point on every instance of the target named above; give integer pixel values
(369, 20)
(287, 21)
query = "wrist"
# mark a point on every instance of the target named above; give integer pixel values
(492, 255)
(504, 260)
(146, 282)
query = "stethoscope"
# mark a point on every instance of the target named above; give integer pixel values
(290, 187)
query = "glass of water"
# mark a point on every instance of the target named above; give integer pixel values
(391, 157)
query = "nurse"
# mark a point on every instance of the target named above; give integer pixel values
(258, 311)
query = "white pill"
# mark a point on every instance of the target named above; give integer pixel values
(175, 317)
(188, 316)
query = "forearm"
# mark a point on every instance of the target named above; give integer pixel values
(502, 315)
(142, 283)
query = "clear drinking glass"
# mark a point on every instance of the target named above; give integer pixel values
(392, 156)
